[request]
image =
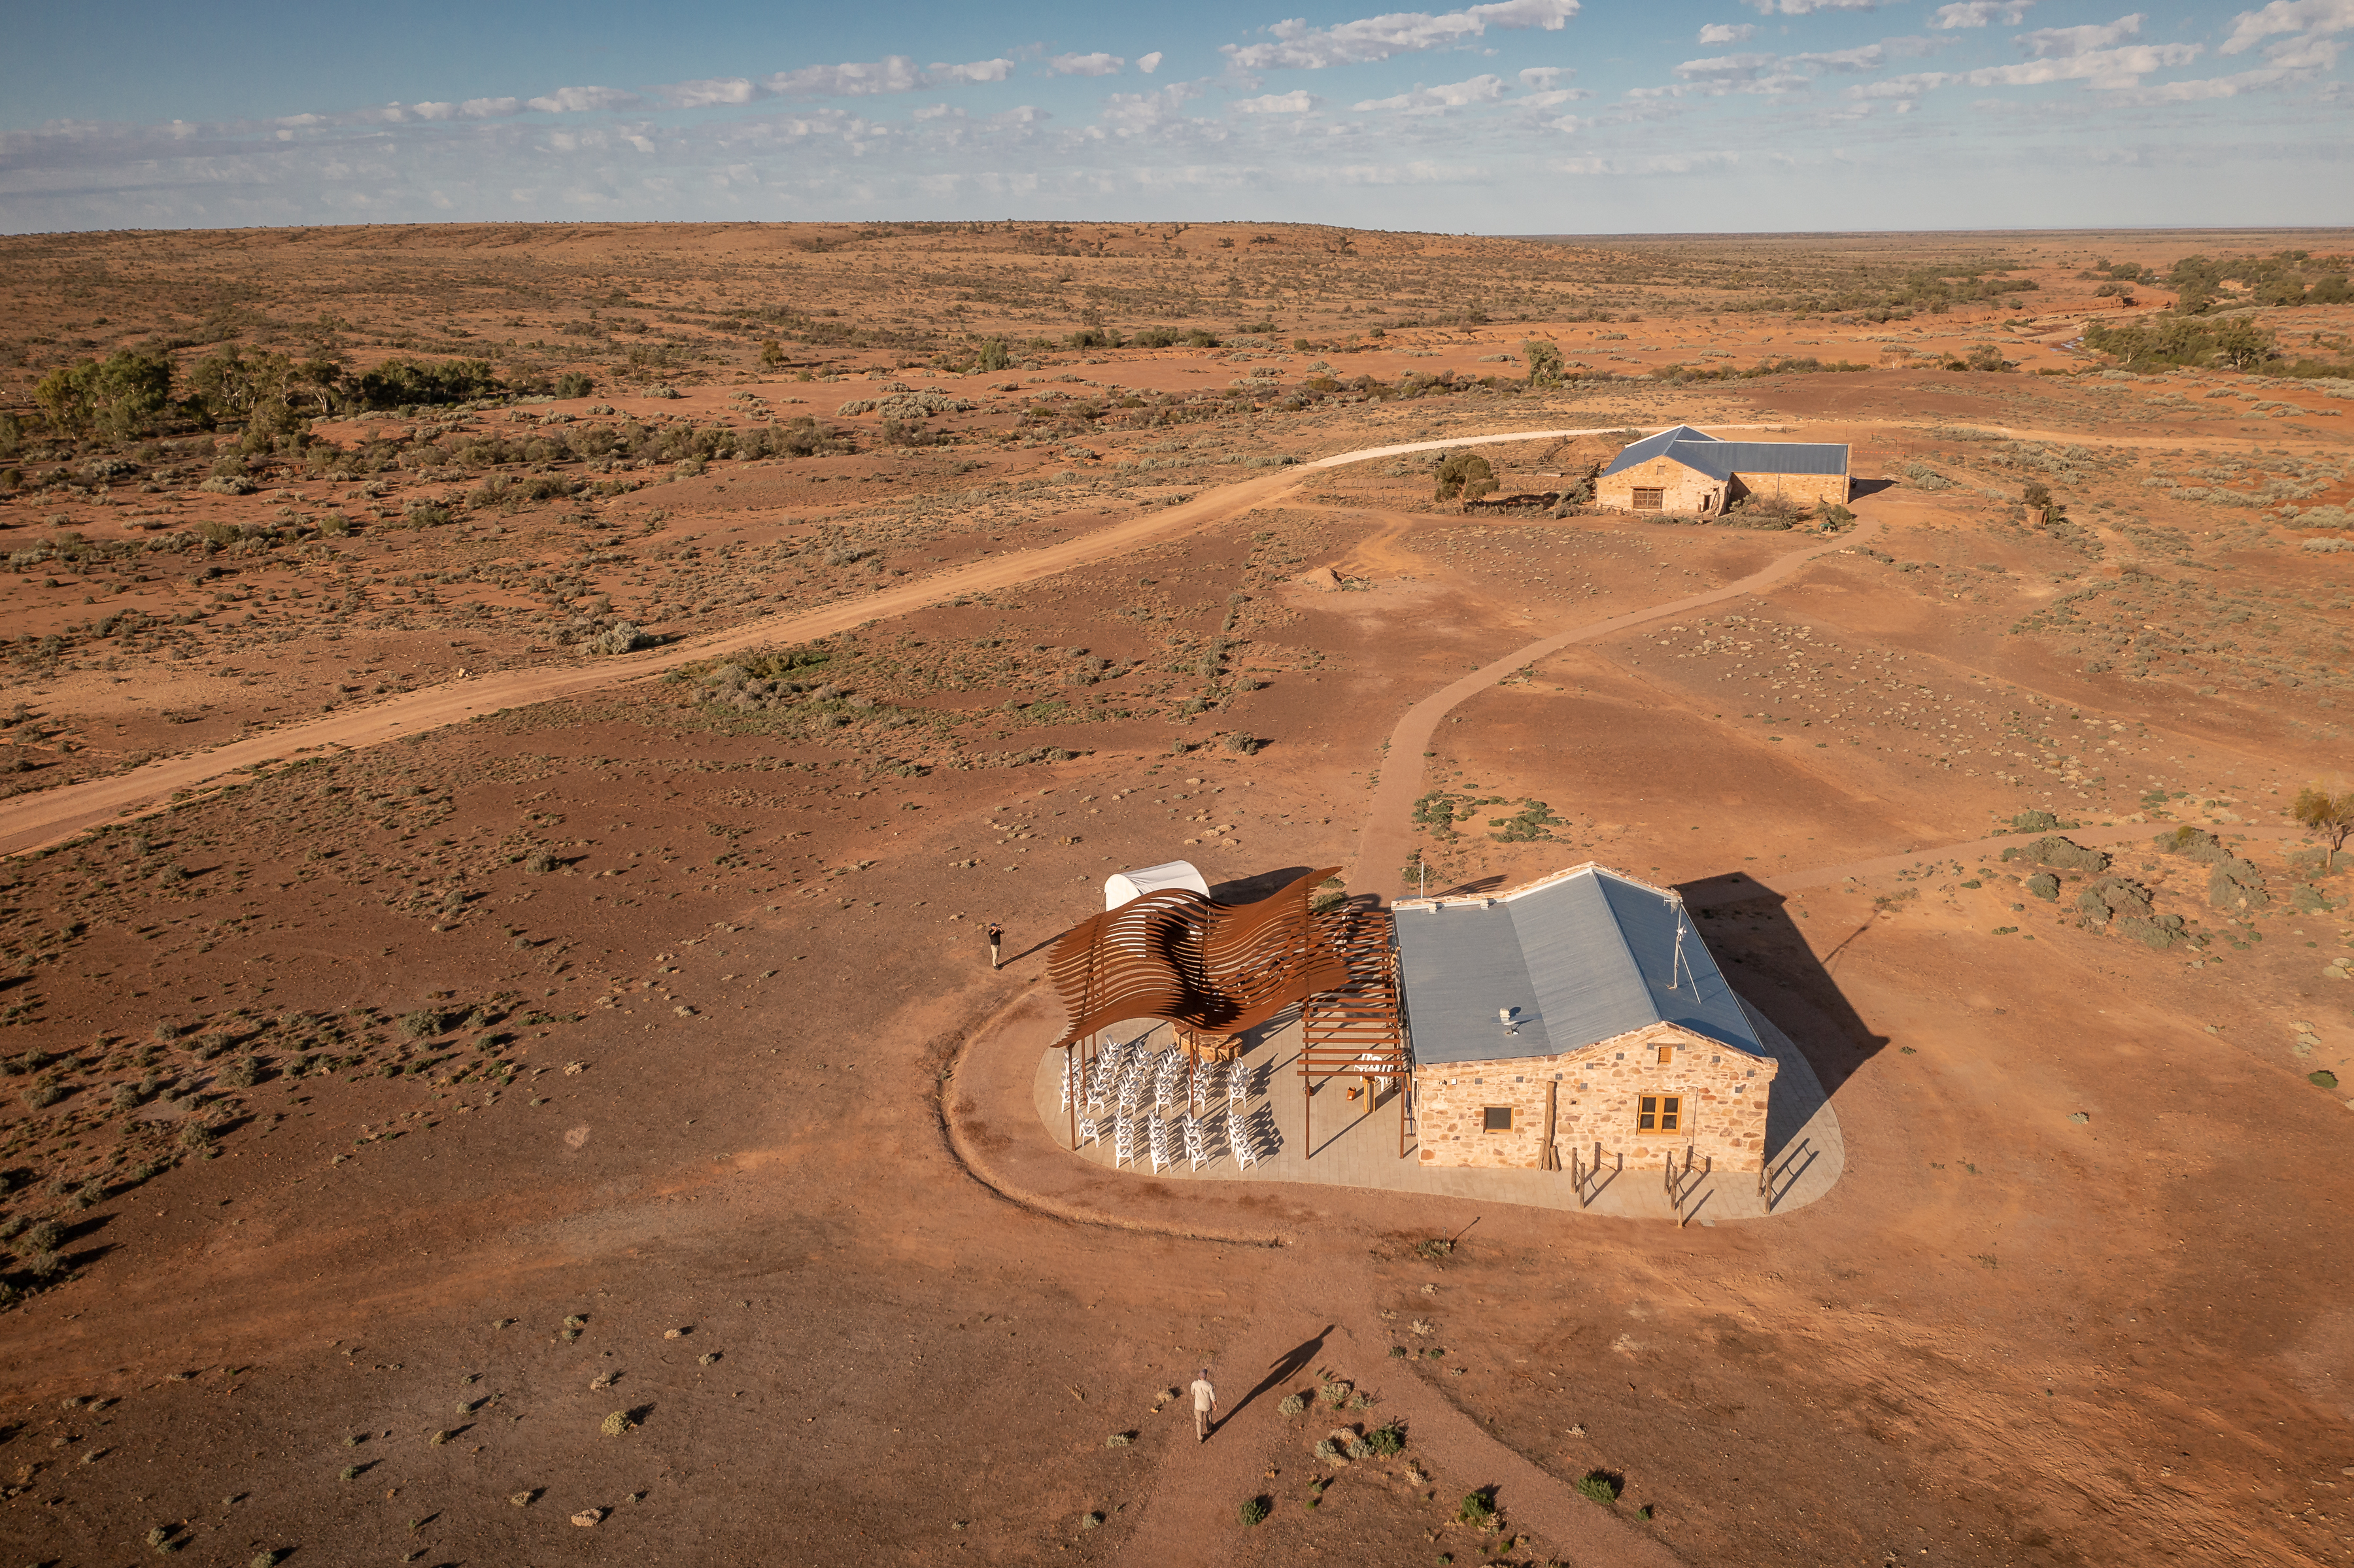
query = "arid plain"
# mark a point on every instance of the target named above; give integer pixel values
(474, 1097)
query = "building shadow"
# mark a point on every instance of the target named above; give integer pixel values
(1258, 885)
(1767, 958)
(1859, 488)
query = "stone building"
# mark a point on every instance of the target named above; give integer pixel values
(1579, 1010)
(1682, 470)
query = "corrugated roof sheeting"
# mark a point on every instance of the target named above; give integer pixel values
(1720, 460)
(1651, 447)
(1586, 958)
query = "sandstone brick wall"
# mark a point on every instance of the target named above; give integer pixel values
(1725, 1093)
(1687, 489)
(1799, 489)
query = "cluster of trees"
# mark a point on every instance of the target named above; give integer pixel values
(136, 392)
(2283, 278)
(1927, 289)
(2154, 343)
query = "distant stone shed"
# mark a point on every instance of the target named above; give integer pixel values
(1682, 470)
(1582, 1009)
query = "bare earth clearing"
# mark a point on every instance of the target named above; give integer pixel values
(449, 1040)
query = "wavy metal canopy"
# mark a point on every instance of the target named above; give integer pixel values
(1192, 961)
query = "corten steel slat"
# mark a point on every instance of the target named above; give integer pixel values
(1177, 956)
(1356, 1029)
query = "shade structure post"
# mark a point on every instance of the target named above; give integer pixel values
(1070, 1070)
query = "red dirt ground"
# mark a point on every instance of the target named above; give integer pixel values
(714, 1050)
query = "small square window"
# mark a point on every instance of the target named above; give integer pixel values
(1496, 1119)
(1658, 1113)
(1667, 1055)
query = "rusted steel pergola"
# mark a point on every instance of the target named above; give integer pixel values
(1220, 969)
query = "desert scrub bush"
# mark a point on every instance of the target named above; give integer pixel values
(2044, 886)
(1386, 1440)
(1326, 1449)
(242, 1074)
(44, 1092)
(1334, 1392)
(1246, 745)
(1252, 1511)
(424, 1023)
(1476, 1510)
(1600, 1485)
(1120, 1439)
(616, 1424)
(1293, 1404)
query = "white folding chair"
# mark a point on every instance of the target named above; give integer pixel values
(1238, 1139)
(1193, 1146)
(1123, 1142)
(1088, 1131)
(1159, 1142)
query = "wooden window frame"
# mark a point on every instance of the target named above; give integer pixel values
(1657, 502)
(1652, 1110)
(1487, 1115)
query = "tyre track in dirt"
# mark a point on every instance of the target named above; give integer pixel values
(40, 821)
(1382, 843)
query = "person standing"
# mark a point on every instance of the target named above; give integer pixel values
(1205, 1405)
(996, 937)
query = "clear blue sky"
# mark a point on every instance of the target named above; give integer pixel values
(1513, 117)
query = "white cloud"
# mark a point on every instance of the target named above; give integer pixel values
(1149, 63)
(1807, 8)
(1978, 13)
(934, 111)
(1299, 46)
(1097, 64)
(2060, 43)
(708, 93)
(581, 99)
(2219, 87)
(1278, 103)
(892, 73)
(2313, 18)
(972, 70)
(1544, 78)
(1728, 33)
(2096, 67)
(1559, 95)
(1434, 99)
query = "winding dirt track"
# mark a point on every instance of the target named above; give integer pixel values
(36, 821)
(1382, 846)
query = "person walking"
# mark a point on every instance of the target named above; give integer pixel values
(1206, 1406)
(996, 937)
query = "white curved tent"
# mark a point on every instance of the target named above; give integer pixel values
(1121, 887)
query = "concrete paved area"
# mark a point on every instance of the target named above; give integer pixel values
(1358, 1147)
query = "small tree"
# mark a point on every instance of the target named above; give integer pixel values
(123, 394)
(993, 356)
(1466, 474)
(2328, 816)
(1544, 362)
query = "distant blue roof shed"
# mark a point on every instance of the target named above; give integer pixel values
(1585, 955)
(1722, 460)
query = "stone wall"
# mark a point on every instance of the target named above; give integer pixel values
(1725, 1093)
(1687, 489)
(1799, 489)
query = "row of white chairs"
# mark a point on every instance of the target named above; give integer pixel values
(1189, 1141)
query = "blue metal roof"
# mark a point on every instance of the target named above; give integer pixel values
(1722, 460)
(1585, 957)
(1651, 447)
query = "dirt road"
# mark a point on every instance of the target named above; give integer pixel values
(1382, 846)
(36, 822)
